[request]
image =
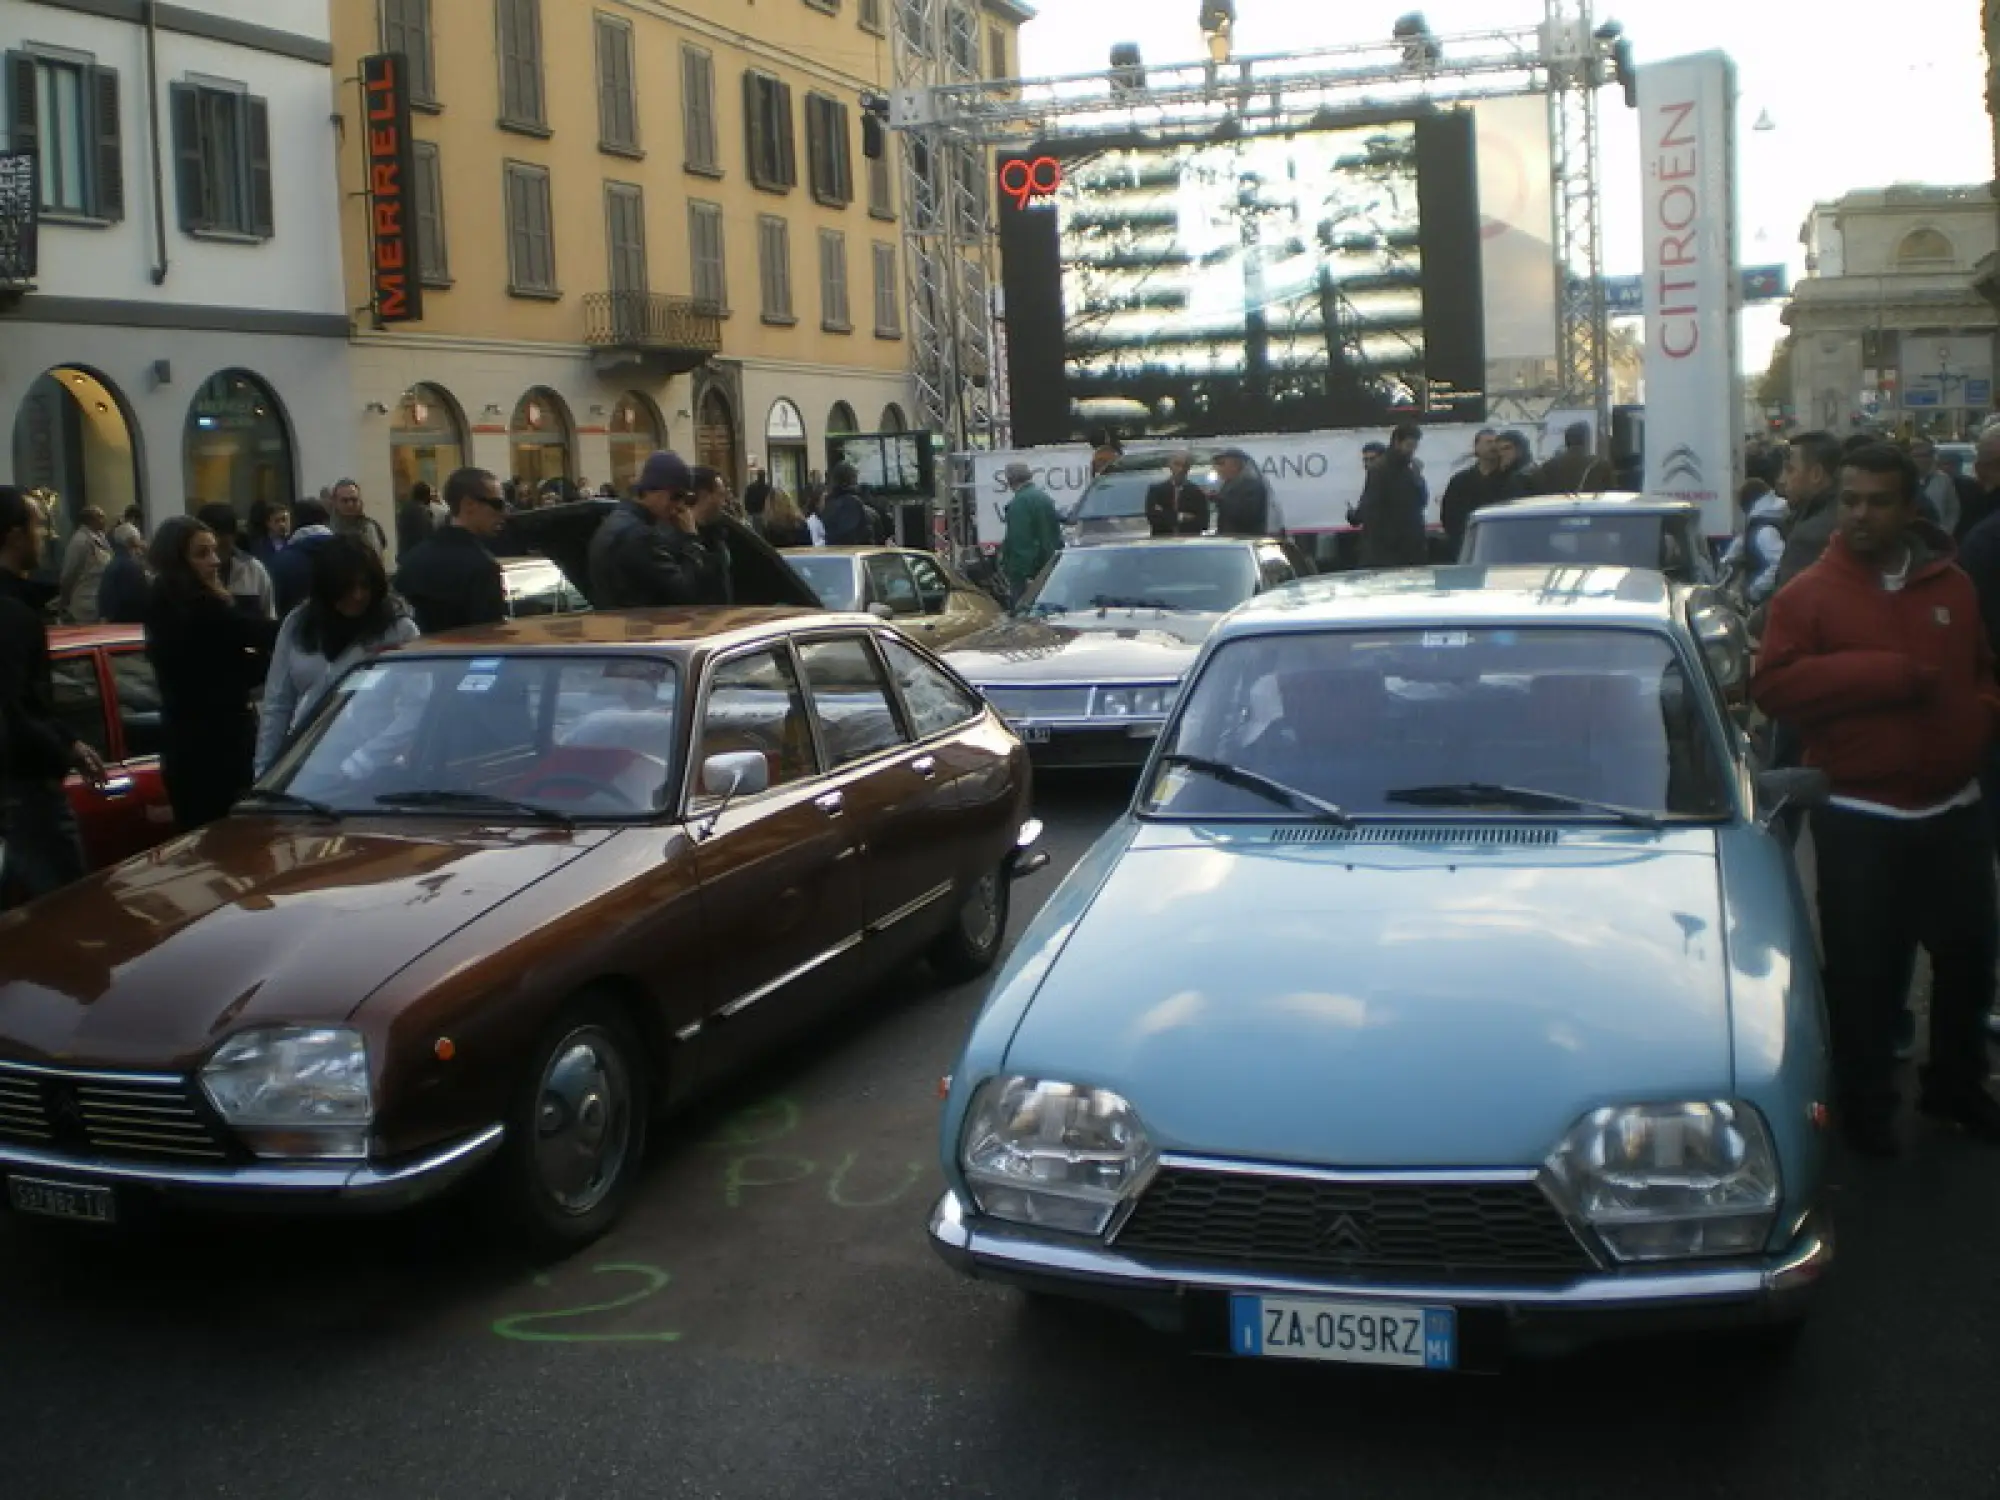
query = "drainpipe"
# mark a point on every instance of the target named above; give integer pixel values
(160, 263)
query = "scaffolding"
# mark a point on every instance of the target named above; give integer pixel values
(952, 121)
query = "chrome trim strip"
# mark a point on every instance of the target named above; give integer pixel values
(743, 1002)
(1008, 1250)
(688, 1033)
(336, 1179)
(1425, 1176)
(91, 1075)
(910, 909)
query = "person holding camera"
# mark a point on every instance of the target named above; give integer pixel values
(651, 551)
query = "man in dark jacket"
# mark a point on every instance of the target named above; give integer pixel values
(1877, 654)
(1391, 512)
(649, 553)
(844, 514)
(1575, 470)
(1177, 506)
(127, 587)
(292, 570)
(1470, 488)
(1812, 472)
(37, 828)
(1243, 500)
(451, 580)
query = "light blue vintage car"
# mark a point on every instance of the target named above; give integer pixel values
(1443, 994)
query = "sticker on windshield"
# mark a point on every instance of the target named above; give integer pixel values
(1446, 638)
(481, 684)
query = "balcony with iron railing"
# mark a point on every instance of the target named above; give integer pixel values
(669, 335)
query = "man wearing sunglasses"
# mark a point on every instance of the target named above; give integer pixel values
(452, 580)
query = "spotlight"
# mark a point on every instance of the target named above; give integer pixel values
(1128, 69)
(1420, 48)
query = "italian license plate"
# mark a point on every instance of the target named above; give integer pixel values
(1032, 734)
(1351, 1333)
(62, 1200)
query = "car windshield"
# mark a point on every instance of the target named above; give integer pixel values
(1173, 576)
(528, 735)
(1590, 540)
(831, 575)
(1407, 723)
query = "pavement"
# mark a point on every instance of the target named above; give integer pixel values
(770, 1322)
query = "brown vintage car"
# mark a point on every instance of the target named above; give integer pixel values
(507, 894)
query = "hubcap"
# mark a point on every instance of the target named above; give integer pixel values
(980, 921)
(583, 1120)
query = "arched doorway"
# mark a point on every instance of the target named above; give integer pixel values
(893, 419)
(785, 439)
(73, 440)
(636, 433)
(426, 440)
(715, 435)
(237, 448)
(539, 438)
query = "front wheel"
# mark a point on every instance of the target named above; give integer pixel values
(967, 948)
(576, 1133)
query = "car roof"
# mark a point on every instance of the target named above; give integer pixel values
(1158, 458)
(678, 630)
(1113, 544)
(1622, 503)
(1467, 594)
(87, 637)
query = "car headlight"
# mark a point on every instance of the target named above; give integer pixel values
(1055, 1155)
(1135, 702)
(1672, 1181)
(294, 1090)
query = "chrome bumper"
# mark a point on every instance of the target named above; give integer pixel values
(356, 1186)
(1771, 1291)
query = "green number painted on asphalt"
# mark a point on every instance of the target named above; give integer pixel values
(765, 1121)
(839, 1199)
(519, 1326)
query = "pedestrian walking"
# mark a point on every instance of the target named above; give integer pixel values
(291, 569)
(649, 552)
(42, 852)
(1937, 488)
(351, 518)
(1576, 470)
(86, 557)
(245, 578)
(1034, 530)
(844, 514)
(784, 523)
(1391, 512)
(350, 615)
(1177, 506)
(453, 580)
(1243, 504)
(1878, 655)
(209, 658)
(1471, 488)
(128, 584)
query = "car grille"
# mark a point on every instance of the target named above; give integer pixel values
(1041, 702)
(1388, 1230)
(119, 1117)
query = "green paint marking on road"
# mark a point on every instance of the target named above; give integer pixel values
(839, 1199)
(736, 1176)
(761, 1123)
(518, 1326)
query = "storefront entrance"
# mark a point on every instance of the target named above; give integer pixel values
(715, 435)
(636, 434)
(427, 440)
(237, 447)
(539, 439)
(72, 440)
(785, 443)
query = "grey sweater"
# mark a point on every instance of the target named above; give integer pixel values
(299, 679)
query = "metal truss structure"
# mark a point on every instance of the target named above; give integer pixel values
(952, 121)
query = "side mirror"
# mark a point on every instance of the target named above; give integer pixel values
(740, 773)
(1793, 786)
(881, 611)
(1725, 641)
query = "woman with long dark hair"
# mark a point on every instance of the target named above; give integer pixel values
(348, 617)
(209, 657)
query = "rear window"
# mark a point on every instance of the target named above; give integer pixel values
(1607, 541)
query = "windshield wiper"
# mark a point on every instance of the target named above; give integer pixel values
(1109, 601)
(287, 802)
(1317, 808)
(1487, 794)
(476, 802)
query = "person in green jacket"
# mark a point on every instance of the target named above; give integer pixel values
(1034, 531)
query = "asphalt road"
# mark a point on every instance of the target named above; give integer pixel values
(771, 1323)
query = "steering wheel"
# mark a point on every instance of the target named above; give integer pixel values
(590, 787)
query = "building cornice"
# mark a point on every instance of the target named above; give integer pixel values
(800, 60)
(184, 20)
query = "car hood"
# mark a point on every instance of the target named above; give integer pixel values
(562, 533)
(149, 964)
(1091, 647)
(1364, 1005)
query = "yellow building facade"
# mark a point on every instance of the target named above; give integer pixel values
(639, 225)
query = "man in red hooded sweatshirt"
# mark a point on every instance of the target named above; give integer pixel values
(1877, 654)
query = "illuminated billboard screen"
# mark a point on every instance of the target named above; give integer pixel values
(1325, 279)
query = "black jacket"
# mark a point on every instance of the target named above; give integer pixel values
(1469, 489)
(1391, 515)
(1177, 509)
(124, 591)
(847, 520)
(1979, 556)
(415, 525)
(637, 563)
(292, 572)
(34, 745)
(1243, 505)
(452, 581)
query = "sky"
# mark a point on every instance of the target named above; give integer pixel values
(1857, 97)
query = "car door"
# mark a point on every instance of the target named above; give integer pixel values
(953, 608)
(781, 884)
(897, 793)
(146, 814)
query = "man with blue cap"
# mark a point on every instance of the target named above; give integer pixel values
(658, 550)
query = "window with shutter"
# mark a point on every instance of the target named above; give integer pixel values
(774, 266)
(531, 258)
(222, 157)
(263, 208)
(869, 13)
(882, 180)
(107, 199)
(711, 286)
(433, 263)
(406, 28)
(888, 302)
(834, 312)
(66, 110)
(828, 151)
(767, 117)
(617, 88)
(625, 233)
(700, 152)
(519, 24)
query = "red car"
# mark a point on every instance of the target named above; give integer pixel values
(106, 695)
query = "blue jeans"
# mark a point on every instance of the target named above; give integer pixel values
(40, 850)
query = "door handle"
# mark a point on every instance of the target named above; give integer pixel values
(925, 766)
(833, 804)
(116, 786)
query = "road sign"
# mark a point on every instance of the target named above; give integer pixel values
(1625, 296)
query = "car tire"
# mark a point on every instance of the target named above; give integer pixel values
(576, 1130)
(967, 948)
